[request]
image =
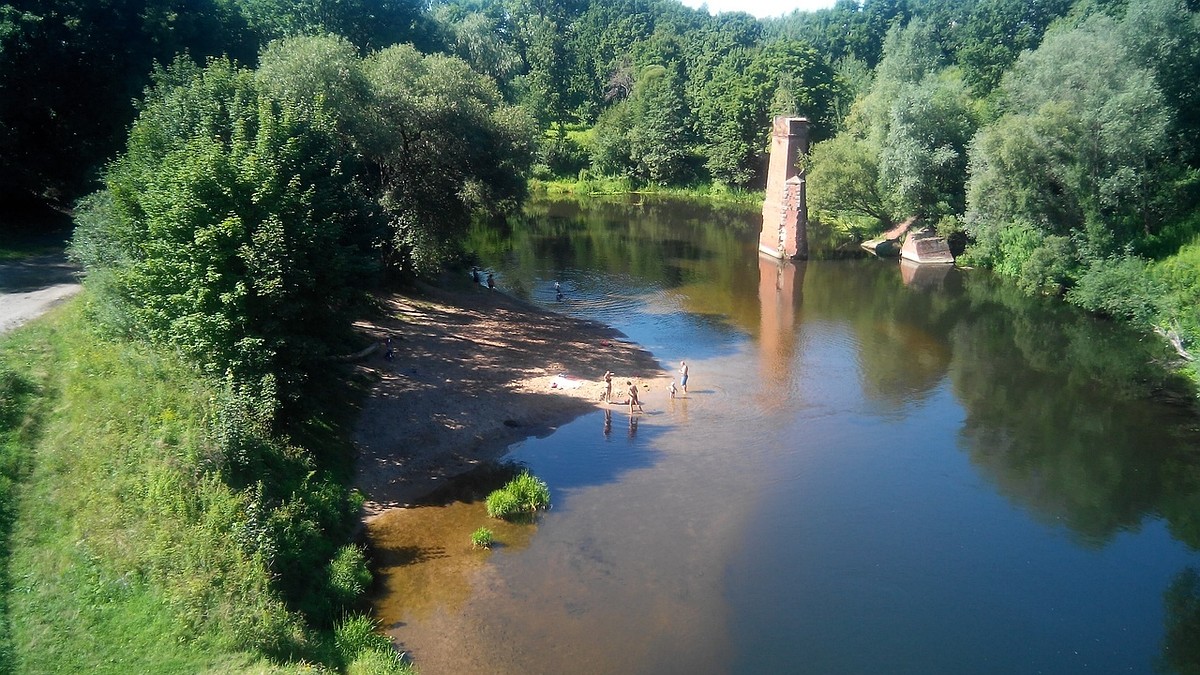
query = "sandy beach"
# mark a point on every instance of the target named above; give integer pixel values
(474, 371)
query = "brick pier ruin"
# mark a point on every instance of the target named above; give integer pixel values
(784, 233)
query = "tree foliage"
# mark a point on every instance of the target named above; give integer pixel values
(231, 229)
(844, 177)
(747, 90)
(1079, 152)
(437, 137)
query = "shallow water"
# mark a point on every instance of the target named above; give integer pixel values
(873, 470)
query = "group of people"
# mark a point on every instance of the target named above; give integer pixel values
(632, 389)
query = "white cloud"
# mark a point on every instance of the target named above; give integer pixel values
(760, 8)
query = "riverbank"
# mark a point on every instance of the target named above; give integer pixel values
(597, 186)
(473, 372)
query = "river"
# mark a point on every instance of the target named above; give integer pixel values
(875, 469)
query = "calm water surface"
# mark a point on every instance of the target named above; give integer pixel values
(875, 470)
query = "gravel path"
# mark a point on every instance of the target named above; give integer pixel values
(30, 286)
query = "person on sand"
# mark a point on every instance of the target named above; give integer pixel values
(475, 274)
(683, 375)
(672, 389)
(607, 395)
(491, 281)
(633, 397)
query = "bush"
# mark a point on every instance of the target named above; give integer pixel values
(365, 651)
(482, 538)
(532, 493)
(564, 157)
(349, 576)
(502, 504)
(524, 494)
(1121, 288)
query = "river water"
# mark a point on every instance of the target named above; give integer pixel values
(875, 469)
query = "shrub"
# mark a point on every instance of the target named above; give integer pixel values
(531, 492)
(349, 576)
(524, 494)
(1118, 287)
(502, 504)
(377, 661)
(482, 538)
(366, 652)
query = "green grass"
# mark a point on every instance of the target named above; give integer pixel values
(482, 538)
(596, 186)
(523, 495)
(125, 546)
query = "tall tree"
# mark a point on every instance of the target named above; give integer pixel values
(231, 229)
(746, 89)
(438, 138)
(69, 70)
(1070, 173)
(995, 32)
(658, 139)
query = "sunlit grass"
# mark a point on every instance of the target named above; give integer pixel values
(524, 494)
(595, 186)
(482, 538)
(123, 548)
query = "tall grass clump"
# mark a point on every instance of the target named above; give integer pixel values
(482, 538)
(364, 651)
(523, 495)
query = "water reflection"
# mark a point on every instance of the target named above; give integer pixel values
(923, 276)
(780, 295)
(883, 470)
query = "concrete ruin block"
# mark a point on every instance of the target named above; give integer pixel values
(926, 247)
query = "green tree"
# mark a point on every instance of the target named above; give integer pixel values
(232, 230)
(843, 179)
(658, 144)
(446, 146)
(485, 41)
(437, 138)
(923, 161)
(746, 90)
(609, 147)
(849, 29)
(370, 24)
(69, 71)
(1164, 36)
(996, 32)
(1078, 154)
(544, 33)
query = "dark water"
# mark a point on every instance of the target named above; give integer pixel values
(875, 470)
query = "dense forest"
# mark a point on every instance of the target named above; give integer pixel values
(1058, 137)
(241, 172)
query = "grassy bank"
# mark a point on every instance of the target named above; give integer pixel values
(146, 529)
(597, 186)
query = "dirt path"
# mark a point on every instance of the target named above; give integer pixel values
(30, 286)
(475, 371)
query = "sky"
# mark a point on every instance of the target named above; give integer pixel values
(760, 8)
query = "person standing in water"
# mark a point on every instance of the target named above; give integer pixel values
(683, 375)
(633, 397)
